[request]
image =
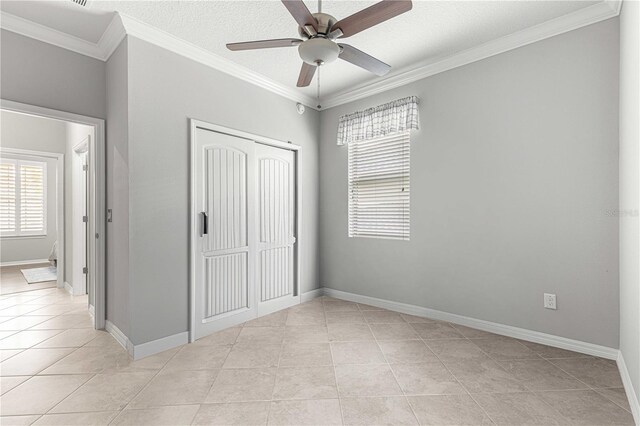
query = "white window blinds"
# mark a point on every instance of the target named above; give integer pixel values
(32, 201)
(8, 196)
(379, 187)
(22, 197)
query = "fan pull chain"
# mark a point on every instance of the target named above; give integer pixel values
(318, 91)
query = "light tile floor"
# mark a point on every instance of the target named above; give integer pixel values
(323, 362)
(12, 280)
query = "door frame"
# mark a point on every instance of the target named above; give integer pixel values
(97, 170)
(194, 125)
(78, 194)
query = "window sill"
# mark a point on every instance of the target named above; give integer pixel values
(22, 237)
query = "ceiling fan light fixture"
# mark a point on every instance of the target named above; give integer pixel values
(318, 51)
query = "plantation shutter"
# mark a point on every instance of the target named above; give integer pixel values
(379, 187)
(8, 196)
(32, 197)
(22, 197)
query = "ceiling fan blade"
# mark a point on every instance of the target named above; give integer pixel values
(373, 15)
(306, 75)
(300, 13)
(361, 59)
(264, 44)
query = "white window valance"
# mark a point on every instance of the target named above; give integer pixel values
(384, 120)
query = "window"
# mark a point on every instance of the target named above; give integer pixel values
(22, 197)
(379, 187)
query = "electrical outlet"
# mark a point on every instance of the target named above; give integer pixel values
(550, 301)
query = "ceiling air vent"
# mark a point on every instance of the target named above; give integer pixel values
(80, 2)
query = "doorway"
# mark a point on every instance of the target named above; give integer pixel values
(245, 227)
(88, 151)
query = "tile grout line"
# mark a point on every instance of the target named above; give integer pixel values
(275, 380)
(404, 395)
(144, 387)
(333, 364)
(591, 388)
(464, 388)
(214, 379)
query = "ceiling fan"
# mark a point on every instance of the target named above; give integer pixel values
(320, 32)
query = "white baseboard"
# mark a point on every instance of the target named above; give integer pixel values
(628, 388)
(159, 345)
(68, 287)
(311, 294)
(119, 336)
(492, 327)
(23, 262)
(149, 348)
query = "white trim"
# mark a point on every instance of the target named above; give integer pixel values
(572, 21)
(504, 330)
(311, 294)
(45, 34)
(159, 345)
(628, 388)
(149, 348)
(79, 231)
(168, 41)
(69, 288)
(23, 262)
(122, 25)
(119, 336)
(112, 37)
(195, 124)
(97, 203)
(60, 181)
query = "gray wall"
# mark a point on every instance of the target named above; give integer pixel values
(630, 189)
(34, 134)
(514, 176)
(165, 90)
(41, 74)
(117, 157)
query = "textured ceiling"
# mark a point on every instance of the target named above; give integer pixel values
(432, 29)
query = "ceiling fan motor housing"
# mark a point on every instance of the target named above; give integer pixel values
(324, 24)
(318, 51)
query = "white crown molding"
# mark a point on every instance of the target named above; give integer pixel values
(48, 35)
(111, 37)
(174, 44)
(580, 18)
(122, 25)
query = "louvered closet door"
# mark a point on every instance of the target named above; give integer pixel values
(276, 224)
(224, 264)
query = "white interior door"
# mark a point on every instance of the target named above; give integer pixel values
(276, 207)
(225, 244)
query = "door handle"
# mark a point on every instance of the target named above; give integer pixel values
(205, 223)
